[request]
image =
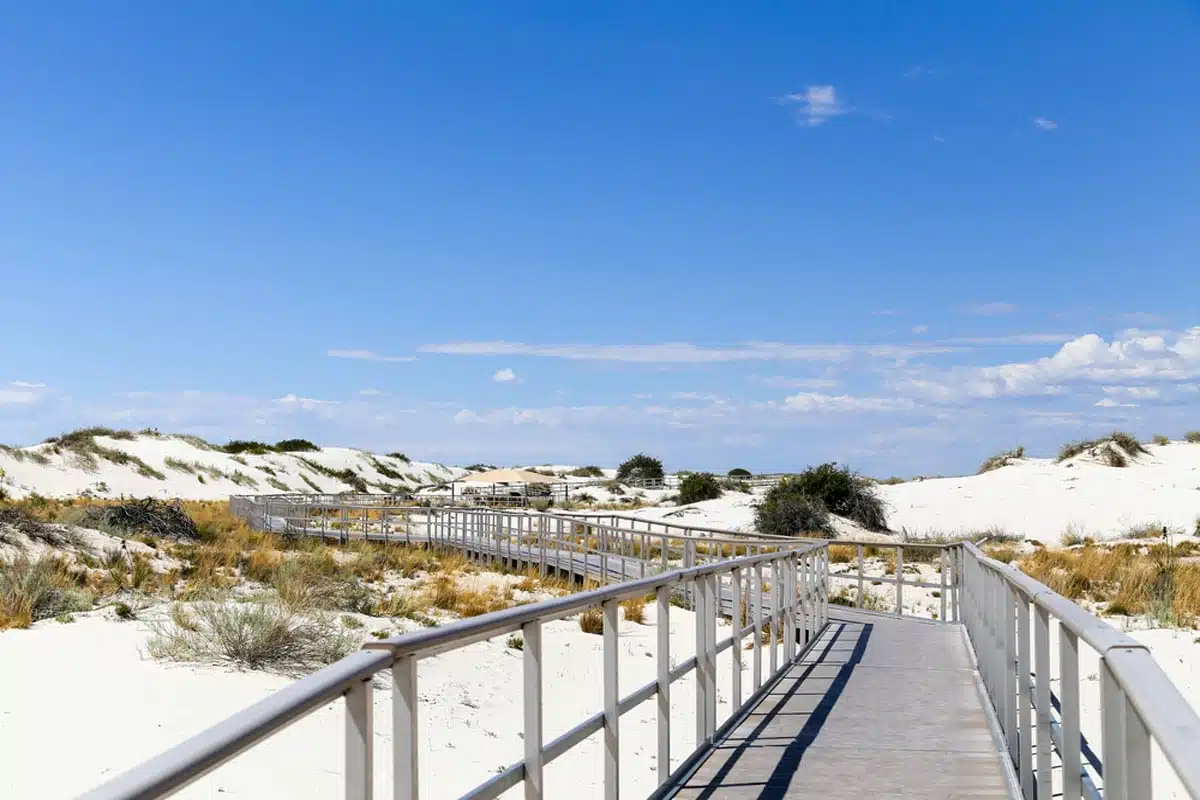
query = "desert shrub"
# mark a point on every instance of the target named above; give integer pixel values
(278, 485)
(254, 635)
(635, 610)
(1161, 440)
(640, 467)
(589, 471)
(584, 497)
(1104, 449)
(238, 446)
(841, 492)
(309, 482)
(31, 590)
(592, 621)
(787, 511)
(399, 457)
(697, 487)
(739, 472)
(480, 467)
(154, 517)
(1192, 436)
(82, 437)
(1001, 460)
(294, 446)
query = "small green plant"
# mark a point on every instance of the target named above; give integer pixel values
(698, 487)
(1161, 440)
(123, 611)
(515, 642)
(399, 457)
(1192, 436)
(352, 623)
(65, 618)
(238, 446)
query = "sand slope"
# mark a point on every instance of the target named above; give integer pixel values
(192, 471)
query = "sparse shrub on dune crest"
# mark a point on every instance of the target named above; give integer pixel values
(1001, 460)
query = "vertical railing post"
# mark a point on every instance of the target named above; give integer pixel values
(1024, 692)
(360, 742)
(776, 617)
(700, 610)
(1068, 684)
(737, 617)
(943, 566)
(899, 580)
(758, 623)
(663, 621)
(1137, 754)
(1112, 737)
(713, 610)
(612, 719)
(1041, 668)
(405, 766)
(531, 633)
(1009, 606)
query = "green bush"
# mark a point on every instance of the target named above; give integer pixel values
(1192, 436)
(295, 446)
(1161, 440)
(640, 467)
(827, 488)
(788, 511)
(697, 487)
(399, 456)
(242, 446)
(738, 472)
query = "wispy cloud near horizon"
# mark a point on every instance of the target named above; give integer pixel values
(816, 105)
(367, 355)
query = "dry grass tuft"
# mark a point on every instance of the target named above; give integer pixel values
(635, 610)
(592, 621)
(35, 590)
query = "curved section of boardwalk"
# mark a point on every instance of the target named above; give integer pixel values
(879, 707)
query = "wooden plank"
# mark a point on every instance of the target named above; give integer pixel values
(880, 707)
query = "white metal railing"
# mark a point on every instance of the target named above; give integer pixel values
(782, 594)
(1008, 618)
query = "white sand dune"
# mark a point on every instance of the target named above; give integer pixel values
(192, 471)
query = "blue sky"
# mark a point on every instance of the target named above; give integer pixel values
(899, 237)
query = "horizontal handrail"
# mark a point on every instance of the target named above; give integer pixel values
(791, 601)
(1139, 703)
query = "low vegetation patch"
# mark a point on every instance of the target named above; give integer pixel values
(1161, 440)
(697, 487)
(592, 621)
(1192, 436)
(32, 590)
(256, 635)
(88, 452)
(589, 471)
(1001, 460)
(1158, 580)
(1115, 450)
(739, 472)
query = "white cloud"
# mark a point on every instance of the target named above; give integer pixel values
(1043, 124)
(813, 401)
(643, 396)
(1131, 356)
(366, 355)
(780, 382)
(1140, 392)
(685, 352)
(369, 392)
(992, 309)
(816, 105)
(504, 376)
(1108, 402)
(21, 393)
(920, 329)
(303, 403)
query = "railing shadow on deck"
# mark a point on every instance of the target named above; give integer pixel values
(793, 754)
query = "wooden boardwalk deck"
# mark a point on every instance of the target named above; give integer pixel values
(880, 707)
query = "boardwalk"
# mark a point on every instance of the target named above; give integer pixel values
(880, 707)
